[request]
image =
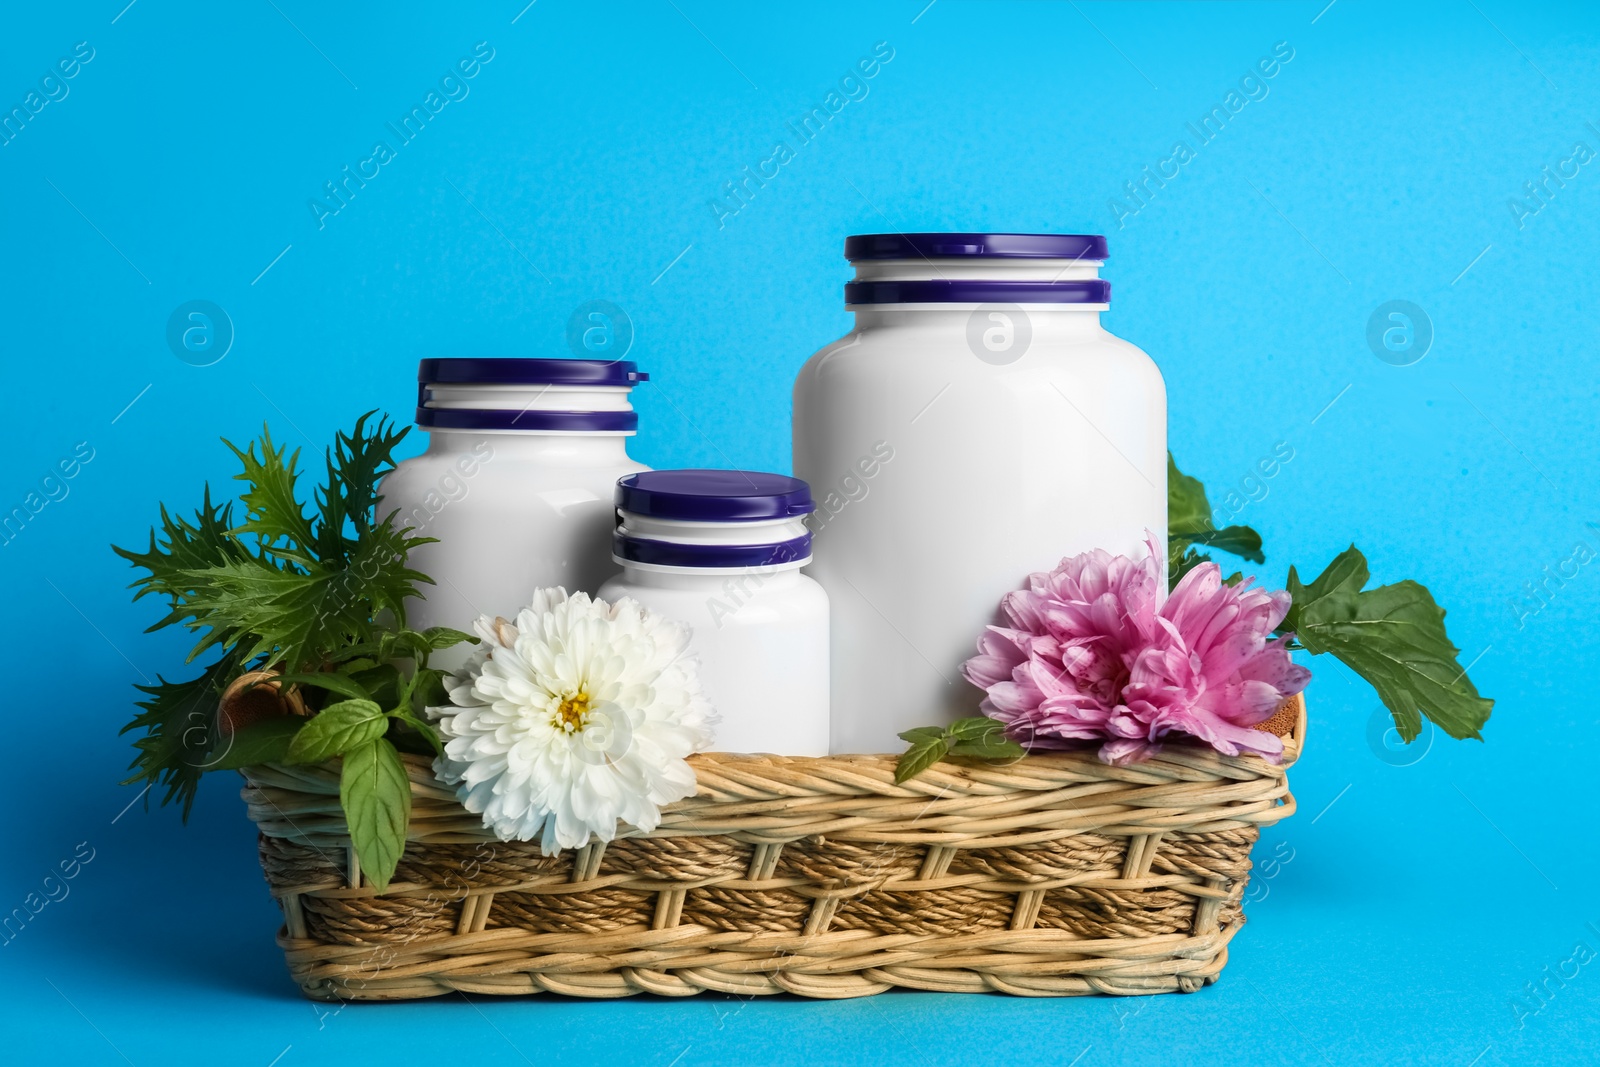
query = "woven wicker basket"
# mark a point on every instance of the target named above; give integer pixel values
(1055, 875)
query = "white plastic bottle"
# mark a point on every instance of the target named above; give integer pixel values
(977, 425)
(523, 457)
(721, 551)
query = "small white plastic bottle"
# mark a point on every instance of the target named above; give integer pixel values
(523, 457)
(721, 551)
(978, 424)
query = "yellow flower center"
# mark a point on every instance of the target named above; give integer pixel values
(573, 712)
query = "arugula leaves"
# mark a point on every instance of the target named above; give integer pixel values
(978, 737)
(1394, 637)
(315, 595)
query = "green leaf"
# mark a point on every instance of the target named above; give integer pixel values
(424, 729)
(919, 757)
(282, 589)
(338, 729)
(179, 721)
(444, 637)
(1187, 506)
(922, 733)
(348, 499)
(981, 737)
(261, 742)
(376, 797)
(1239, 541)
(279, 613)
(181, 547)
(1189, 523)
(994, 748)
(333, 681)
(274, 513)
(430, 691)
(1394, 637)
(974, 728)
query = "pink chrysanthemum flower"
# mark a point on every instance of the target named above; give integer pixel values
(1057, 673)
(1213, 672)
(1093, 654)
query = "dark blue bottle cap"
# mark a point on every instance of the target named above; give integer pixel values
(594, 372)
(976, 291)
(1085, 246)
(545, 421)
(713, 495)
(710, 557)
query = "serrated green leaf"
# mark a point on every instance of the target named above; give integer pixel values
(376, 797)
(348, 499)
(922, 733)
(274, 513)
(919, 757)
(299, 594)
(1394, 637)
(180, 732)
(261, 742)
(278, 613)
(338, 729)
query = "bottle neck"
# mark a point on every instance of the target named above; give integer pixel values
(571, 449)
(977, 268)
(1051, 322)
(1054, 321)
(777, 576)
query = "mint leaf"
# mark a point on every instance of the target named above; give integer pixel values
(376, 796)
(981, 737)
(973, 728)
(425, 730)
(1394, 637)
(919, 757)
(976, 737)
(995, 748)
(261, 742)
(430, 691)
(337, 729)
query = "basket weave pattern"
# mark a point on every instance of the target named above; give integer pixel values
(1055, 875)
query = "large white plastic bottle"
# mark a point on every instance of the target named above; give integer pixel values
(977, 425)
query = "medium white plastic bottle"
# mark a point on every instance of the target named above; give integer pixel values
(522, 461)
(721, 552)
(977, 425)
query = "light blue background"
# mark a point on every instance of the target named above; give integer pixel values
(1420, 900)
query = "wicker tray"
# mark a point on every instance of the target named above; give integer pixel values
(1052, 876)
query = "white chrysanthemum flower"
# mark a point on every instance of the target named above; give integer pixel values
(578, 715)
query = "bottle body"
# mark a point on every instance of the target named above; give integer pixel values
(945, 473)
(761, 635)
(512, 513)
